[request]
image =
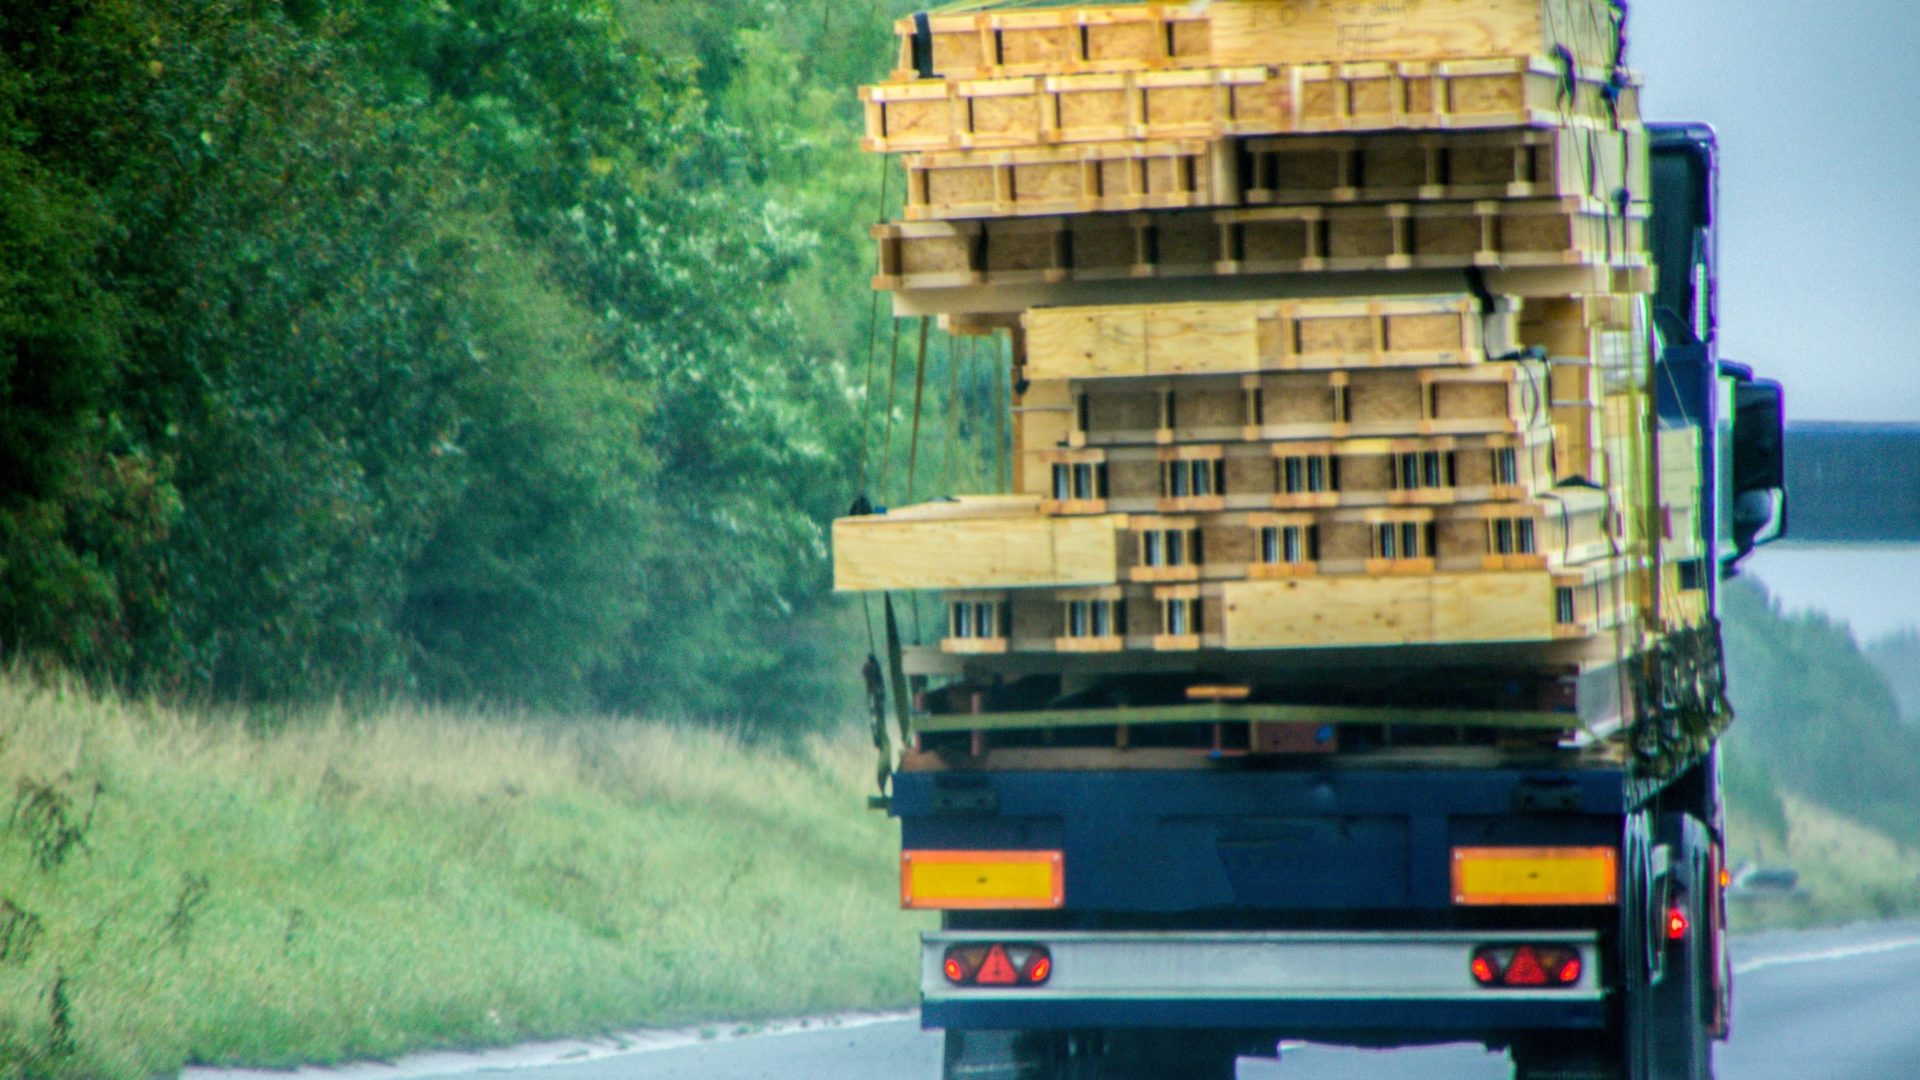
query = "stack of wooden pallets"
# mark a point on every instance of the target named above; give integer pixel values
(1329, 333)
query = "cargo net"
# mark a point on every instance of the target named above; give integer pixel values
(1681, 683)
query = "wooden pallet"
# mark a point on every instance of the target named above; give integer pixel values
(1152, 37)
(1218, 103)
(1584, 159)
(1532, 234)
(1339, 404)
(1411, 605)
(1251, 336)
(1258, 477)
(1079, 178)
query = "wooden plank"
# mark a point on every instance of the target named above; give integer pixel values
(1250, 336)
(1236, 712)
(1230, 102)
(1293, 31)
(1155, 36)
(1331, 611)
(1192, 339)
(904, 551)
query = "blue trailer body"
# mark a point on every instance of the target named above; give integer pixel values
(1258, 841)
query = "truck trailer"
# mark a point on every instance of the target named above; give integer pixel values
(1342, 664)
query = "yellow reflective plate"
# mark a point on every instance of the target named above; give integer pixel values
(1536, 875)
(981, 880)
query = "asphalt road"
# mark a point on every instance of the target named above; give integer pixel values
(1824, 1005)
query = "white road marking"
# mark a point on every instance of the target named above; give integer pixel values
(562, 1052)
(1826, 955)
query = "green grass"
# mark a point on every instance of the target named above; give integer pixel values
(362, 885)
(1848, 871)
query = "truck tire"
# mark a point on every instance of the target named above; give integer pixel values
(1680, 1045)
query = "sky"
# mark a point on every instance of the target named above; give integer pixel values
(1818, 109)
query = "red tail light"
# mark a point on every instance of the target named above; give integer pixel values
(1677, 924)
(1527, 966)
(998, 964)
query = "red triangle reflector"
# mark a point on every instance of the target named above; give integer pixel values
(997, 970)
(1525, 969)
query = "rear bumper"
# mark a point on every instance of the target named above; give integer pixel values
(1285, 982)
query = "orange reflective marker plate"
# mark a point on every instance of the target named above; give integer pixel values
(1564, 876)
(981, 880)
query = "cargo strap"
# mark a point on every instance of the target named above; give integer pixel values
(922, 45)
(1569, 74)
(876, 684)
(1619, 34)
(897, 672)
(873, 339)
(886, 436)
(919, 397)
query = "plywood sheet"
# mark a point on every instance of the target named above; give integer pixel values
(1333, 612)
(901, 552)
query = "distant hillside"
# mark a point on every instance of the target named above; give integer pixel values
(1815, 717)
(1898, 658)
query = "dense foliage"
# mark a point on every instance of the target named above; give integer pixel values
(510, 349)
(1815, 717)
(1898, 658)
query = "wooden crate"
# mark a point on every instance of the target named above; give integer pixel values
(1580, 159)
(1218, 103)
(1156, 36)
(1512, 234)
(974, 543)
(1081, 178)
(1250, 336)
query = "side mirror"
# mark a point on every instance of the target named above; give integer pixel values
(1759, 464)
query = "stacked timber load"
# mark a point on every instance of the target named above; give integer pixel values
(1331, 355)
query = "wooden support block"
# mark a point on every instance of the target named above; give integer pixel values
(982, 543)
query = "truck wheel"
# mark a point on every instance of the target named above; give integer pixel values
(1680, 1042)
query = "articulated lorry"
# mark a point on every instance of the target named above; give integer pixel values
(1342, 664)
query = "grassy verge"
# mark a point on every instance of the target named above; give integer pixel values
(1848, 871)
(174, 888)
